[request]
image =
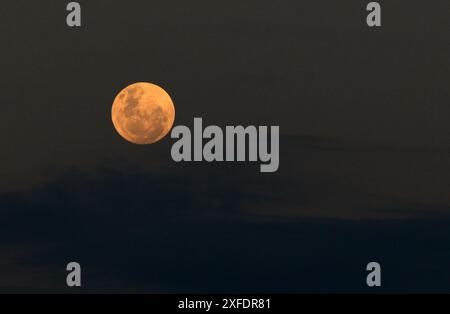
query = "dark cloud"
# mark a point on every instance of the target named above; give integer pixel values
(135, 232)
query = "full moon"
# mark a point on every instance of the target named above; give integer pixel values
(143, 113)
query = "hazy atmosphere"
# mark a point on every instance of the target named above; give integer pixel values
(364, 147)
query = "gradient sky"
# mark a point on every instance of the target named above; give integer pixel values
(365, 133)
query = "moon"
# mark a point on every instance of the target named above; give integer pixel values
(143, 113)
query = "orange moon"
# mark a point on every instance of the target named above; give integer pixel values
(143, 113)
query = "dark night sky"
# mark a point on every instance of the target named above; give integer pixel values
(364, 161)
